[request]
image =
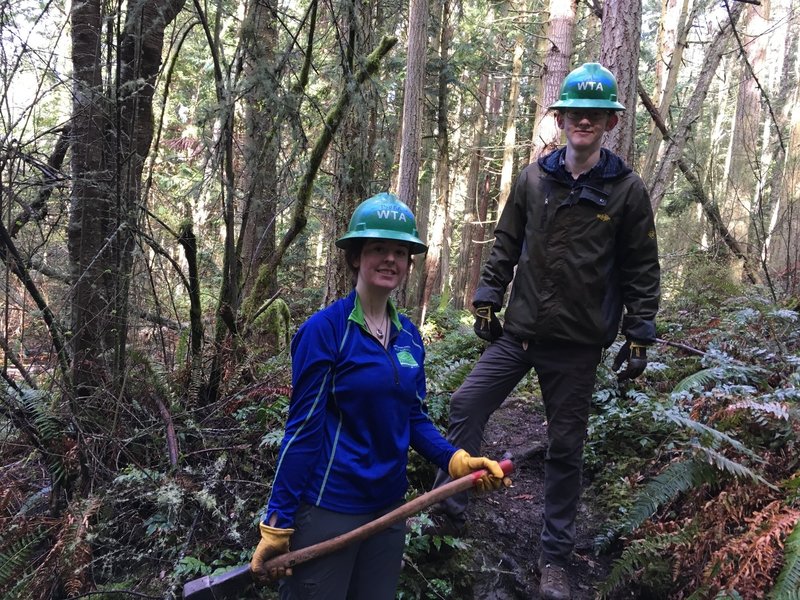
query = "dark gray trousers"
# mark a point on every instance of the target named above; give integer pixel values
(366, 570)
(566, 375)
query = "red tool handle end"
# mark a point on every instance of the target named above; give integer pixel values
(505, 464)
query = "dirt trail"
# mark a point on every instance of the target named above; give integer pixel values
(506, 525)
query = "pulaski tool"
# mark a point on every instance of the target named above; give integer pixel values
(230, 584)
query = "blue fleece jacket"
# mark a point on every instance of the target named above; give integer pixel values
(356, 408)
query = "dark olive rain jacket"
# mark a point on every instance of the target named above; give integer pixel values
(584, 249)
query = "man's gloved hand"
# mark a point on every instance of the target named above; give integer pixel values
(462, 464)
(274, 542)
(487, 325)
(636, 355)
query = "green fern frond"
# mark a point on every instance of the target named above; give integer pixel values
(15, 556)
(738, 470)
(697, 380)
(41, 407)
(729, 372)
(728, 595)
(637, 396)
(639, 555)
(704, 430)
(678, 477)
(787, 585)
(450, 376)
(50, 429)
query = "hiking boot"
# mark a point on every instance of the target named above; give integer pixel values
(441, 524)
(554, 583)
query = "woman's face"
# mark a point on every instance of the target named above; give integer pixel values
(383, 263)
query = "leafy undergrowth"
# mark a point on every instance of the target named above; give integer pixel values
(700, 459)
(693, 467)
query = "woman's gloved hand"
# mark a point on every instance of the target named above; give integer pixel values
(274, 542)
(462, 464)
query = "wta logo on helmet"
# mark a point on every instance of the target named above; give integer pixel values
(595, 86)
(395, 215)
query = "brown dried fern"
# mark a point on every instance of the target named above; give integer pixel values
(75, 560)
(748, 563)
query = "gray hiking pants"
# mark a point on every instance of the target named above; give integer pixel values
(566, 375)
(366, 570)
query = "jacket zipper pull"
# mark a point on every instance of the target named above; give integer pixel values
(544, 212)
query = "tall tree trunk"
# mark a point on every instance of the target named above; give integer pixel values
(775, 189)
(110, 142)
(660, 178)
(410, 158)
(506, 172)
(474, 222)
(622, 29)
(91, 209)
(437, 259)
(674, 36)
(745, 168)
(354, 152)
(560, 30)
(258, 181)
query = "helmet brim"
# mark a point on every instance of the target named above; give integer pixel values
(586, 103)
(415, 244)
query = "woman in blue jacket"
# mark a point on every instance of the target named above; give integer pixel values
(357, 406)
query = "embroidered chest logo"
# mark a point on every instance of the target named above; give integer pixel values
(603, 217)
(406, 359)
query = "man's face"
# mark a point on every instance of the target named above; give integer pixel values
(584, 127)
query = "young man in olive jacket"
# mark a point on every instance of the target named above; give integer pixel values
(578, 239)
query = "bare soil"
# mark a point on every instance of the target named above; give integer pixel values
(504, 526)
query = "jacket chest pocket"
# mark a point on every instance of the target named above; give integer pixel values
(588, 227)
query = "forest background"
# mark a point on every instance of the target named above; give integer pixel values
(174, 175)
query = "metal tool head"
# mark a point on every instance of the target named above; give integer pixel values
(225, 586)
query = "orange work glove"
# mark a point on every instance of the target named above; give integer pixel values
(274, 542)
(462, 464)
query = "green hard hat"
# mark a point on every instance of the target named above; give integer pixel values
(383, 216)
(589, 86)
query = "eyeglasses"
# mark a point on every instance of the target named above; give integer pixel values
(595, 116)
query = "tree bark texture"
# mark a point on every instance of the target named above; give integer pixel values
(560, 33)
(353, 155)
(709, 207)
(510, 140)
(259, 179)
(775, 191)
(90, 203)
(410, 153)
(111, 140)
(746, 169)
(472, 231)
(621, 33)
(437, 258)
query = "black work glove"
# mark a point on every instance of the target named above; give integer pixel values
(636, 355)
(487, 325)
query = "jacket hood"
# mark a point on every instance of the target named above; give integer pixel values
(609, 167)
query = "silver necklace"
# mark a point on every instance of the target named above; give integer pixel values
(378, 331)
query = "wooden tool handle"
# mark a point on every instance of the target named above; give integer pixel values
(400, 513)
(231, 583)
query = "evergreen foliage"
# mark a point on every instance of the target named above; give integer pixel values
(787, 584)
